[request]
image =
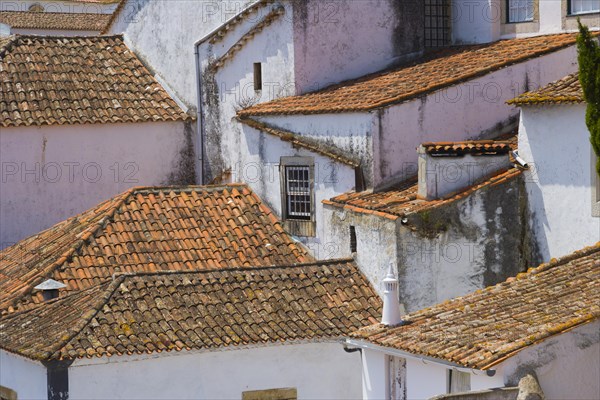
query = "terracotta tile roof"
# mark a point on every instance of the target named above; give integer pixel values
(478, 147)
(441, 69)
(175, 311)
(484, 328)
(296, 140)
(55, 21)
(401, 200)
(148, 230)
(78, 80)
(566, 90)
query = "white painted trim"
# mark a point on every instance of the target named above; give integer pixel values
(117, 359)
(424, 359)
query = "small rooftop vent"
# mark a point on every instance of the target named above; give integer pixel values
(50, 289)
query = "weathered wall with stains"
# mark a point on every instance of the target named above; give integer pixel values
(351, 133)
(376, 241)
(565, 212)
(566, 365)
(445, 252)
(51, 173)
(339, 40)
(258, 162)
(230, 87)
(163, 33)
(472, 109)
(455, 249)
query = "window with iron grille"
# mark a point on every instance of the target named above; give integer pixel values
(297, 195)
(520, 10)
(583, 6)
(437, 23)
(297, 181)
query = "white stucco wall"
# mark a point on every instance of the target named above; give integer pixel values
(349, 132)
(50, 173)
(550, 16)
(475, 21)
(273, 48)
(439, 176)
(163, 33)
(460, 112)
(257, 164)
(339, 40)
(567, 365)
(555, 140)
(441, 253)
(375, 375)
(377, 242)
(424, 379)
(317, 370)
(26, 377)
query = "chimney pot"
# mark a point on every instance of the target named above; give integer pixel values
(50, 289)
(391, 314)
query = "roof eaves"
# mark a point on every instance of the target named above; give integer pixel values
(114, 16)
(403, 97)
(499, 178)
(300, 141)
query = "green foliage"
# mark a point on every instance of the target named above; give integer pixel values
(589, 76)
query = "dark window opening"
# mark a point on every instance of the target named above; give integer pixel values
(519, 10)
(258, 76)
(298, 192)
(577, 7)
(353, 245)
(437, 23)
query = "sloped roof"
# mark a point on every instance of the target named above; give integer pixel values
(440, 69)
(148, 230)
(47, 80)
(401, 200)
(484, 328)
(296, 140)
(55, 20)
(474, 147)
(175, 311)
(564, 91)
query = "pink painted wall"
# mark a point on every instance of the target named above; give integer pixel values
(51, 173)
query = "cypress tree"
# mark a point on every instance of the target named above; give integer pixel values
(589, 76)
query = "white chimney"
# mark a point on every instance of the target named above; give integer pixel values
(446, 168)
(391, 306)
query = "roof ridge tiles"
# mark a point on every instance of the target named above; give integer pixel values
(339, 262)
(564, 260)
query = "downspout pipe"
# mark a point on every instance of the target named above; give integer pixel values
(200, 128)
(200, 115)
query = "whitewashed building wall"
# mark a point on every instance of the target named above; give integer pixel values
(259, 167)
(562, 186)
(316, 370)
(24, 376)
(565, 365)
